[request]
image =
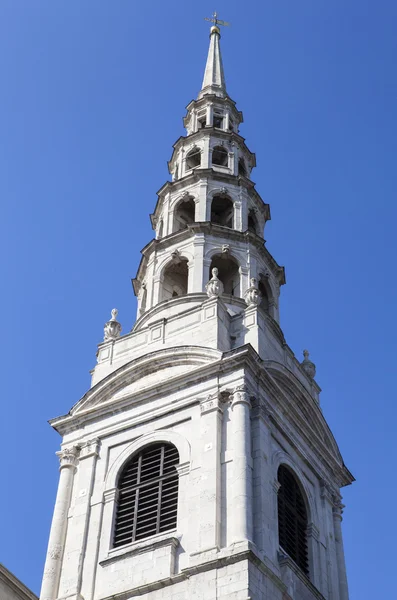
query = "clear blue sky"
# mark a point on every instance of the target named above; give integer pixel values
(93, 95)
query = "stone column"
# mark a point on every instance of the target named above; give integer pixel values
(340, 554)
(52, 570)
(242, 466)
(76, 543)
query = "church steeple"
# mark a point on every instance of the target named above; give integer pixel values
(199, 463)
(214, 77)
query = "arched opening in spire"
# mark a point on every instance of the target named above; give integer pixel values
(175, 279)
(184, 213)
(266, 294)
(229, 273)
(292, 518)
(222, 211)
(219, 156)
(242, 170)
(253, 222)
(193, 158)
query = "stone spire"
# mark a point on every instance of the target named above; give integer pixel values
(214, 77)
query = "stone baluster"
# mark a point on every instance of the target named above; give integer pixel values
(340, 554)
(242, 466)
(68, 463)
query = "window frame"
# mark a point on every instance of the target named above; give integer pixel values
(146, 484)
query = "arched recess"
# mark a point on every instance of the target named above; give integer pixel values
(267, 301)
(222, 211)
(175, 279)
(253, 224)
(163, 435)
(242, 169)
(184, 213)
(220, 156)
(193, 158)
(228, 273)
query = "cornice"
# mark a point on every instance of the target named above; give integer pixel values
(14, 584)
(213, 131)
(212, 229)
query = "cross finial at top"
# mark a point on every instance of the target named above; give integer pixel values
(214, 19)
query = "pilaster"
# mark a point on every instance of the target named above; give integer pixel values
(210, 497)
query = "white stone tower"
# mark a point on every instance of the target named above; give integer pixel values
(199, 464)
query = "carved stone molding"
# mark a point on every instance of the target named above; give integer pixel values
(241, 396)
(313, 531)
(337, 509)
(90, 448)
(276, 485)
(210, 404)
(183, 469)
(111, 495)
(68, 457)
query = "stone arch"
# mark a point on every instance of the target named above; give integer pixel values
(279, 458)
(222, 210)
(163, 435)
(220, 156)
(174, 278)
(193, 158)
(184, 213)
(228, 272)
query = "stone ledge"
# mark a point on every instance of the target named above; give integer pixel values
(227, 556)
(153, 543)
(286, 562)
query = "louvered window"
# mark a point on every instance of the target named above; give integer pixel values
(148, 494)
(292, 519)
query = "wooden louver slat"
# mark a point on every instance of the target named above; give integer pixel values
(148, 494)
(292, 519)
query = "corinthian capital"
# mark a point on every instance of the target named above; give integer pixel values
(68, 457)
(241, 396)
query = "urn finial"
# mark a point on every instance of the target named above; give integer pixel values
(308, 365)
(112, 328)
(252, 295)
(215, 286)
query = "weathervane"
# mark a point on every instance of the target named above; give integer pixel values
(216, 21)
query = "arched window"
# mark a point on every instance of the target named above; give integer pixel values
(228, 273)
(222, 211)
(220, 156)
(193, 158)
(292, 518)
(184, 214)
(148, 494)
(175, 279)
